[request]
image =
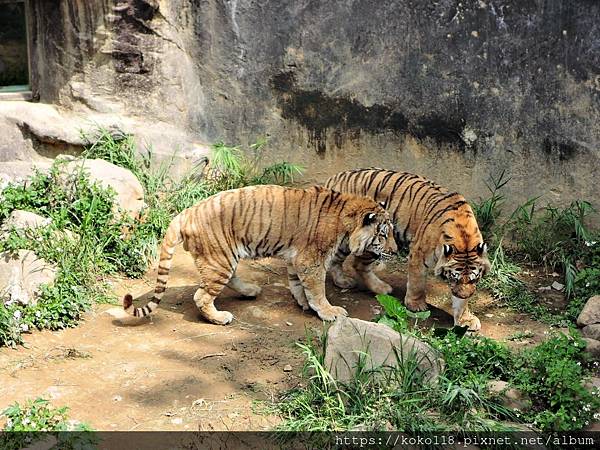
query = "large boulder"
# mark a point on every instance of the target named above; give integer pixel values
(590, 314)
(129, 190)
(350, 340)
(21, 276)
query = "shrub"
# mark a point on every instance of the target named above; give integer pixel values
(25, 424)
(553, 374)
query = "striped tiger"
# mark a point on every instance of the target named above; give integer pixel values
(439, 227)
(305, 227)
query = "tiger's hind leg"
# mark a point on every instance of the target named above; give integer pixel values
(340, 279)
(296, 288)
(213, 278)
(364, 266)
(241, 287)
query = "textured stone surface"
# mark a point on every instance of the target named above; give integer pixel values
(590, 314)
(591, 331)
(455, 91)
(129, 190)
(593, 348)
(21, 276)
(350, 339)
(511, 397)
(25, 219)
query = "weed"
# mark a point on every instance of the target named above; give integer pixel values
(25, 424)
(552, 374)
(488, 210)
(520, 335)
(387, 399)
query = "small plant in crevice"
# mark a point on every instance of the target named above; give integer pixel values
(35, 420)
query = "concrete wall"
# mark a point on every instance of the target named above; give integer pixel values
(454, 90)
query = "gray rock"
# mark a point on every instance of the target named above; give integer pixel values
(590, 314)
(21, 276)
(511, 398)
(24, 219)
(591, 331)
(129, 191)
(350, 340)
(593, 384)
(592, 347)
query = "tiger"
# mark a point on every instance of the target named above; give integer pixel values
(440, 228)
(304, 227)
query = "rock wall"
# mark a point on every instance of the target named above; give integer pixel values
(454, 90)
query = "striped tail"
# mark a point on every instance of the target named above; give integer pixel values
(172, 238)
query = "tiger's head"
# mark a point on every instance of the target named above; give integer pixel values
(462, 255)
(370, 229)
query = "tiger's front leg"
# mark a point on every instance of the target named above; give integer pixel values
(417, 284)
(462, 316)
(340, 279)
(364, 266)
(312, 277)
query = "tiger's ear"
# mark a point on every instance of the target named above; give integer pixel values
(369, 219)
(481, 248)
(447, 250)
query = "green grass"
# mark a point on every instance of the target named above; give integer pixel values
(109, 242)
(393, 400)
(549, 237)
(36, 420)
(552, 375)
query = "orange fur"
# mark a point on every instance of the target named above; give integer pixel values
(427, 217)
(303, 226)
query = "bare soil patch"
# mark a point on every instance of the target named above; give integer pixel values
(177, 372)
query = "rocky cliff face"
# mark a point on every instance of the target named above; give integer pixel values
(452, 90)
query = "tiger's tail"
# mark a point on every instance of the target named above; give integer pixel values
(172, 238)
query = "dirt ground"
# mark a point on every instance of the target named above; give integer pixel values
(176, 372)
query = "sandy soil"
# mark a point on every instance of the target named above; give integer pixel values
(177, 372)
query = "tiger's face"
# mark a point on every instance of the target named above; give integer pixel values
(372, 233)
(462, 268)
(461, 254)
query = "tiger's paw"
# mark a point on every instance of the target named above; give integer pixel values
(471, 321)
(220, 318)
(343, 281)
(376, 285)
(416, 305)
(331, 313)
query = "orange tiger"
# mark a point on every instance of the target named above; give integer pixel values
(305, 227)
(440, 228)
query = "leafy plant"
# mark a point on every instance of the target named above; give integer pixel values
(396, 314)
(552, 374)
(375, 399)
(25, 424)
